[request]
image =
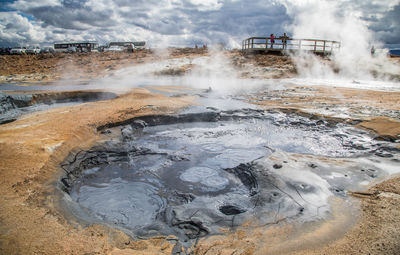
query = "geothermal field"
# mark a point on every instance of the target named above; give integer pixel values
(199, 151)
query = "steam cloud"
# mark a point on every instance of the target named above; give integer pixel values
(311, 19)
(325, 20)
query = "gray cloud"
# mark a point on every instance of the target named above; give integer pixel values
(70, 18)
(388, 27)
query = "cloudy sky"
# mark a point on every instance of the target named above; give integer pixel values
(188, 22)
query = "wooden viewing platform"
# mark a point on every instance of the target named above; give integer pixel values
(263, 44)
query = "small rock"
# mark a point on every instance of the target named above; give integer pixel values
(212, 108)
(384, 155)
(386, 138)
(139, 124)
(277, 166)
(165, 246)
(126, 132)
(171, 238)
(177, 250)
(106, 131)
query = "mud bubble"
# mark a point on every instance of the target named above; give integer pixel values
(192, 174)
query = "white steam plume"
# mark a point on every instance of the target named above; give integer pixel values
(315, 19)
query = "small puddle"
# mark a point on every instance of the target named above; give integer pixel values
(192, 174)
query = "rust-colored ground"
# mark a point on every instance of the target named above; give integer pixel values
(49, 67)
(78, 66)
(32, 147)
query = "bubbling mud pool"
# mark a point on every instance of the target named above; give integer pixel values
(191, 175)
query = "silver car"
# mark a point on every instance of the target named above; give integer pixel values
(33, 50)
(71, 50)
(18, 50)
(113, 48)
(47, 50)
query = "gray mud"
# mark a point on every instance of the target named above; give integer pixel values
(13, 105)
(192, 174)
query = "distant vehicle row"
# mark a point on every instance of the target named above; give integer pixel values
(90, 46)
(26, 50)
(72, 47)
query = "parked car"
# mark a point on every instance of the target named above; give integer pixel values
(47, 50)
(18, 50)
(71, 50)
(139, 45)
(5, 51)
(394, 53)
(130, 47)
(113, 48)
(33, 50)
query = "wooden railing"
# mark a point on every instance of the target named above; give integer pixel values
(313, 45)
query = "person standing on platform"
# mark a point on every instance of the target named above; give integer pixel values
(272, 37)
(284, 39)
(372, 50)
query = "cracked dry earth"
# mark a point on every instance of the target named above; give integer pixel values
(265, 180)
